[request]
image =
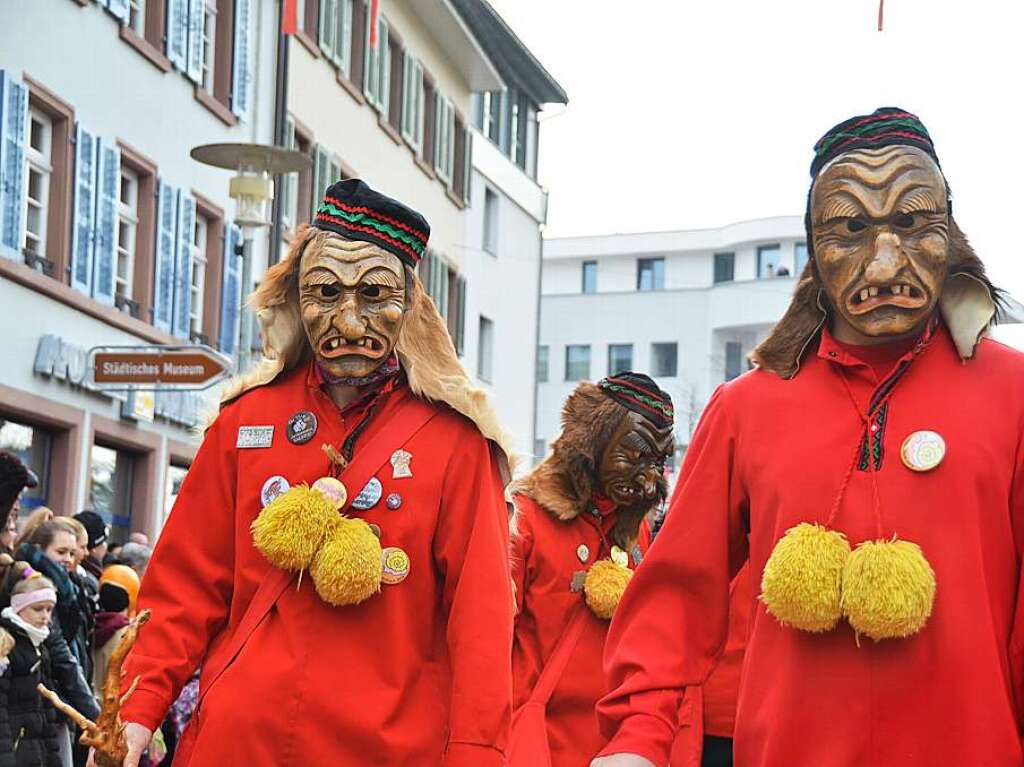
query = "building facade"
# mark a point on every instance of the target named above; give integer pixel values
(685, 307)
(112, 235)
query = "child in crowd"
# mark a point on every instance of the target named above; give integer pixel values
(119, 588)
(28, 724)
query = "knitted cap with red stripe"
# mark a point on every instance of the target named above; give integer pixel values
(639, 393)
(355, 211)
(885, 126)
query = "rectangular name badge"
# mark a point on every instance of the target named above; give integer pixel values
(255, 436)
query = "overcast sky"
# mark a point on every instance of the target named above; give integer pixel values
(688, 113)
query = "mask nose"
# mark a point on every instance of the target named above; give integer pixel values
(648, 481)
(349, 323)
(888, 260)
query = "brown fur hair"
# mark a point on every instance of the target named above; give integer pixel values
(424, 347)
(566, 480)
(968, 305)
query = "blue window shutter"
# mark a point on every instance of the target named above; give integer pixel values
(177, 32)
(183, 264)
(231, 296)
(104, 258)
(13, 131)
(84, 211)
(119, 8)
(242, 63)
(163, 278)
(194, 56)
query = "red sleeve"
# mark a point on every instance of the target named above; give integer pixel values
(188, 583)
(521, 549)
(673, 619)
(1017, 632)
(471, 547)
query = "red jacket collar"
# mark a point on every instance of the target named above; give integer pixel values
(831, 350)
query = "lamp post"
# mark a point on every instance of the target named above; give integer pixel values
(252, 189)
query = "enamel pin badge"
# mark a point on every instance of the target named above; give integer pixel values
(400, 460)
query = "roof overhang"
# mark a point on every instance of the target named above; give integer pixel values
(446, 26)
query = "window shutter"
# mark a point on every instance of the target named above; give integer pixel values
(328, 28)
(177, 33)
(334, 171)
(321, 171)
(196, 22)
(384, 62)
(163, 279)
(119, 8)
(231, 298)
(343, 42)
(183, 264)
(289, 185)
(467, 164)
(460, 320)
(108, 163)
(13, 132)
(84, 210)
(240, 73)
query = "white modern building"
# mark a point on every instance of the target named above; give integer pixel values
(111, 235)
(685, 307)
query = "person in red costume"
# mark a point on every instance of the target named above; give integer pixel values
(581, 529)
(337, 558)
(870, 469)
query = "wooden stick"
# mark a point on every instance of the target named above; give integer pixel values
(64, 708)
(881, 13)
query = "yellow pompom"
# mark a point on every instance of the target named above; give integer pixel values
(888, 589)
(802, 581)
(291, 528)
(348, 567)
(604, 585)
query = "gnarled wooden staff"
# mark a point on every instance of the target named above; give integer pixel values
(106, 734)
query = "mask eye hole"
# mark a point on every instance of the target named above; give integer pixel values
(904, 221)
(370, 291)
(855, 225)
(330, 290)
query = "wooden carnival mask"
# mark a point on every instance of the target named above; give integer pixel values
(352, 298)
(880, 227)
(632, 468)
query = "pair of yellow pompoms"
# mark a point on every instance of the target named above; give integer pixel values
(604, 586)
(885, 589)
(301, 529)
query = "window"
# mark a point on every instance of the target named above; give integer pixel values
(326, 171)
(38, 156)
(799, 258)
(733, 359)
(767, 261)
(137, 16)
(664, 359)
(485, 359)
(589, 277)
(412, 101)
(377, 67)
(110, 488)
(490, 222)
(32, 446)
(127, 222)
(461, 162)
(198, 287)
(542, 363)
(540, 449)
(336, 33)
(487, 113)
(650, 274)
(209, 45)
(517, 112)
(620, 358)
(444, 138)
(577, 362)
(725, 267)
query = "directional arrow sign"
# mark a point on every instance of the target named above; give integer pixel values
(156, 367)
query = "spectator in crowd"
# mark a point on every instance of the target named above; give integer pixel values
(119, 588)
(98, 533)
(89, 584)
(29, 730)
(139, 538)
(33, 522)
(68, 678)
(9, 534)
(14, 477)
(136, 556)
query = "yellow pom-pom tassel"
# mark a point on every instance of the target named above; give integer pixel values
(604, 585)
(291, 528)
(348, 567)
(802, 581)
(888, 589)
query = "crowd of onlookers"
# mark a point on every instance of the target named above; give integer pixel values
(67, 593)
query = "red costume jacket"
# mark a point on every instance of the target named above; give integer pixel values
(771, 453)
(545, 556)
(417, 675)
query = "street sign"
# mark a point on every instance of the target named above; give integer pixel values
(156, 367)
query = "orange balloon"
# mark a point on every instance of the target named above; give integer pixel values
(126, 578)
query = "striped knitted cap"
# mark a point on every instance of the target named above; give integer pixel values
(354, 210)
(883, 127)
(640, 394)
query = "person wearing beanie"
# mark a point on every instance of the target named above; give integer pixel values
(118, 592)
(99, 536)
(869, 469)
(580, 531)
(14, 477)
(344, 521)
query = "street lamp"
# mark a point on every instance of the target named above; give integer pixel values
(252, 189)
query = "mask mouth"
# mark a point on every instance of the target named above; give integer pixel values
(336, 346)
(901, 294)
